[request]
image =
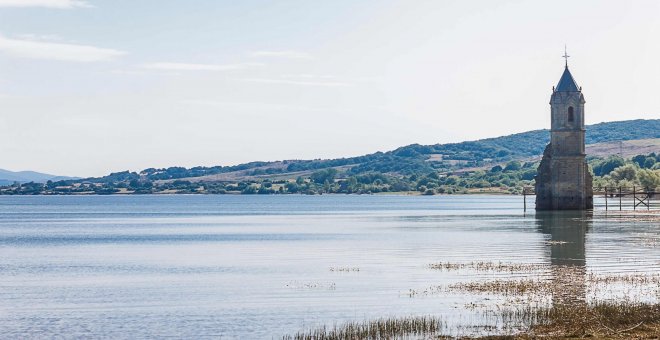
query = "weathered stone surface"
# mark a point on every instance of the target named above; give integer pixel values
(543, 181)
(563, 181)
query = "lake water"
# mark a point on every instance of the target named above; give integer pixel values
(264, 266)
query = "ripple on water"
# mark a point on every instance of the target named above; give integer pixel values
(260, 266)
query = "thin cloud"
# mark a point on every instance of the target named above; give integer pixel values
(249, 105)
(327, 77)
(309, 76)
(62, 4)
(141, 72)
(40, 37)
(281, 54)
(199, 67)
(296, 82)
(31, 49)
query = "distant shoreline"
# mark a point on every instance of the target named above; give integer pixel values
(395, 193)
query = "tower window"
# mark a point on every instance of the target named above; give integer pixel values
(571, 116)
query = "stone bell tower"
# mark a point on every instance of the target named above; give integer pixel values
(563, 181)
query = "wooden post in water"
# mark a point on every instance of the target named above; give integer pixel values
(634, 199)
(524, 199)
(620, 198)
(605, 198)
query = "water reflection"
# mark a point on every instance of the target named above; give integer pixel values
(567, 230)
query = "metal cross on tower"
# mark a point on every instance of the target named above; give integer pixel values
(565, 56)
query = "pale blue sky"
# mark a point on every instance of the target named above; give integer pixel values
(90, 87)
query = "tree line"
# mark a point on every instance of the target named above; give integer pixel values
(507, 178)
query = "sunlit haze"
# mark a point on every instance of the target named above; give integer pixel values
(92, 87)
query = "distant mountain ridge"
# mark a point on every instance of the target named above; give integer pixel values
(9, 177)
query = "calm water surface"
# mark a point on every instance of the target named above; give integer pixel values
(264, 266)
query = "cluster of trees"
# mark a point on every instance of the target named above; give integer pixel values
(59, 188)
(640, 171)
(322, 181)
(603, 167)
(510, 177)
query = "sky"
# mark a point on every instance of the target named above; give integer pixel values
(89, 87)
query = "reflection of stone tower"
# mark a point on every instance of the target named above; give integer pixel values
(563, 181)
(567, 232)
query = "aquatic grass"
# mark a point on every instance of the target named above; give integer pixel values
(488, 266)
(448, 266)
(629, 279)
(568, 314)
(388, 328)
(602, 320)
(344, 269)
(619, 319)
(650, 243)
(556, 243)
(432, 290)
(568, 283)
(504, 287)
(310, 285)
(537, 301)
(543, 307)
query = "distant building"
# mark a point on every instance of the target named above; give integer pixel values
(563, 181)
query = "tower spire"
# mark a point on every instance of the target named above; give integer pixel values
(565, 56)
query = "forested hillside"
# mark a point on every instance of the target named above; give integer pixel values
(417, 158)
(504, 163)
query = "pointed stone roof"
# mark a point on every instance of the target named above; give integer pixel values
(567, 83)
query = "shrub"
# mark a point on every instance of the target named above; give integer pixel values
(512, 166)
(627, 172)
(649, 178)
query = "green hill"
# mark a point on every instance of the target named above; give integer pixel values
(417, 158)
(501, 164)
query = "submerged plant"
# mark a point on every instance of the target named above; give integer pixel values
(488, 266)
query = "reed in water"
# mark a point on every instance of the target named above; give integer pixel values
(392, 328)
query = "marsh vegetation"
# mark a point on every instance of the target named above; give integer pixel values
(538, 301)
(391, 328)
